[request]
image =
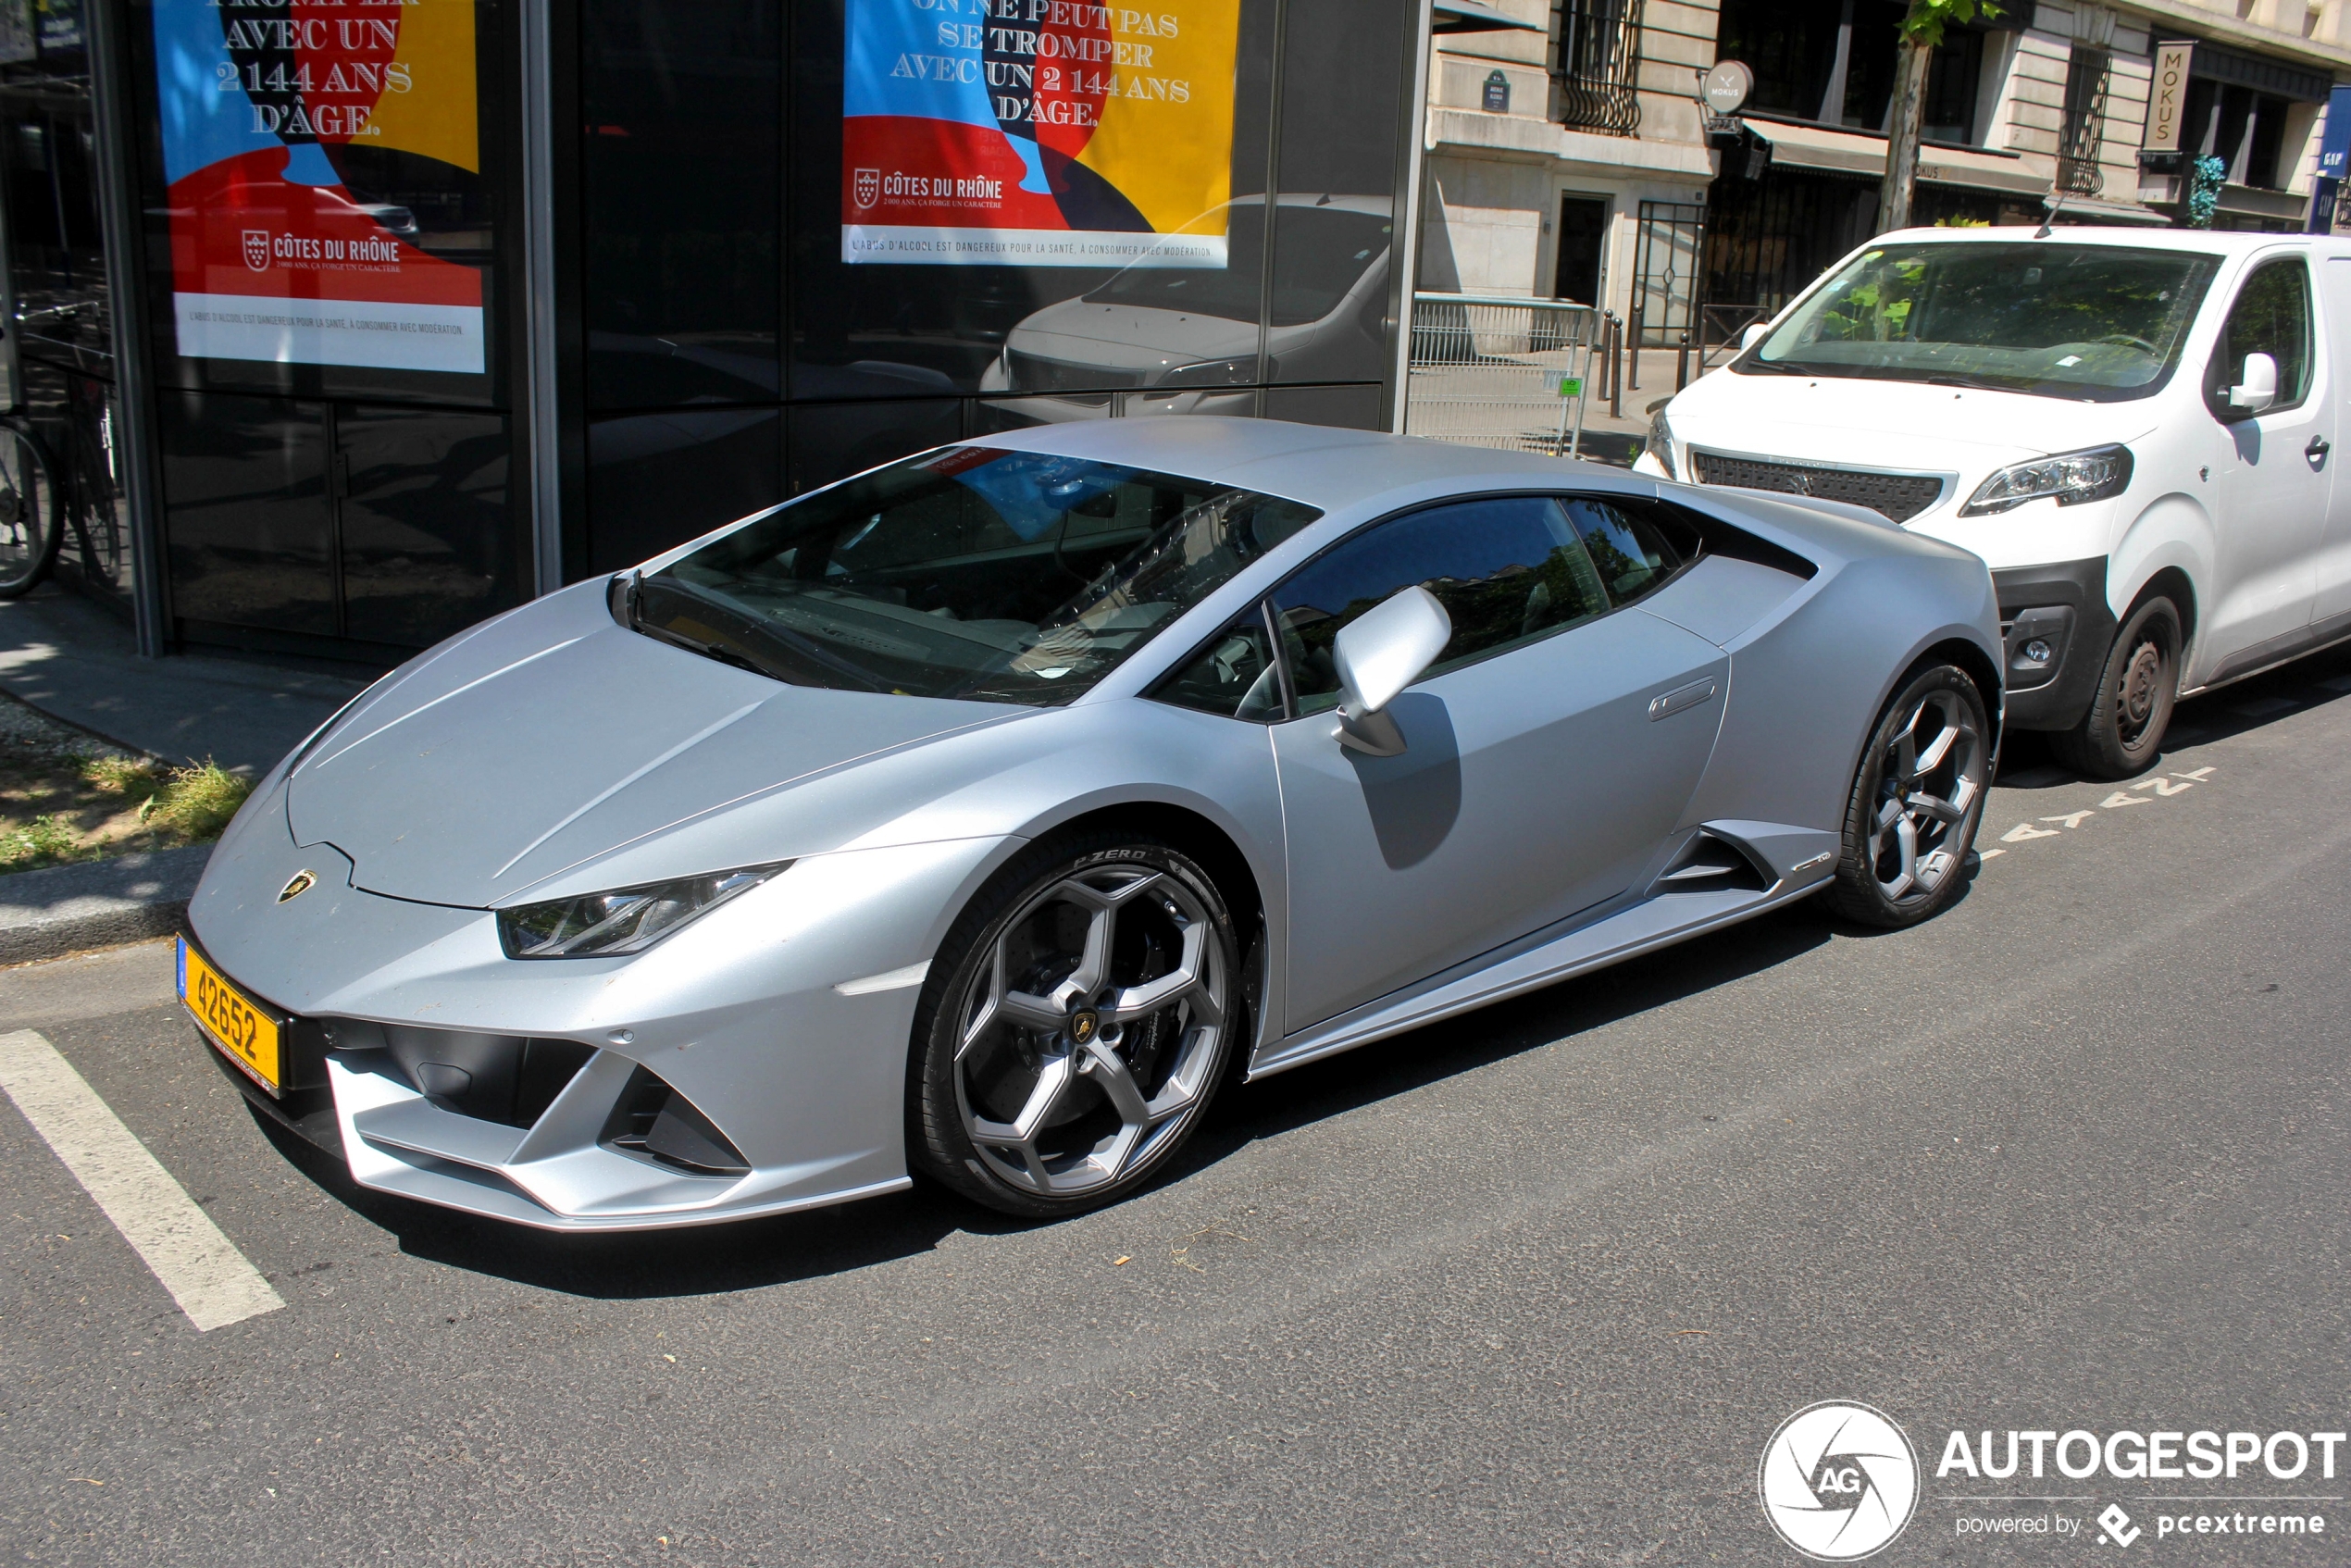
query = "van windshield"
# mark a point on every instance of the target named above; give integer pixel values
(2096, 323)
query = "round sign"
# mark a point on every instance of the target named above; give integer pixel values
(1728, 86)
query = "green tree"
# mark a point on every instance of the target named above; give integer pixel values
(1921, 30)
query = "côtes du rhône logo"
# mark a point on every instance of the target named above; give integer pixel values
(1839, 1481)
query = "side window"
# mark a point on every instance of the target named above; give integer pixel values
(2272, 315)
(1234, 677)
(1507, 570)
(1629, 549)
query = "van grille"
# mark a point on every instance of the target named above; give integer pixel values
(1898, 497)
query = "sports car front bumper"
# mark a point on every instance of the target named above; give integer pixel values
(752, 1017)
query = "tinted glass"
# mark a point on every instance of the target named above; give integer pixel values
(1234, 676)
(2096, 322)
(1628, 549)
(973, 572)
(247, 527)
(2272, 315)
(680, 143)
(428, 542)
(655, 481)
(1507, 570)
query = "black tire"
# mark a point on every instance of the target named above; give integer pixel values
(1902, 862)
(2121, 735)
(1087, 1149)
(30, 517)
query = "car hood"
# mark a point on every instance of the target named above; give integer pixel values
(1123, 337)
(553, 736)
(1903, 424)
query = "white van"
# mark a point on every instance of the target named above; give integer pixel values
(2130, 427)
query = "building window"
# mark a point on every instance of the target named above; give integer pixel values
(1832, 62)
(2087, 78)
(1596, 48)
(2242, 126)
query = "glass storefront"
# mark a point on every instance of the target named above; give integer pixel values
(797, 238)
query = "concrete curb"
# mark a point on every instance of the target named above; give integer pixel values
(97, 904)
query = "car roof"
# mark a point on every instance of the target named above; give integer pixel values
(1321, 465)
(2208, 241)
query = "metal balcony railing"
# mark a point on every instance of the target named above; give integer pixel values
(1595, 51)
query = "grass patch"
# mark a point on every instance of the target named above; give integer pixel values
(63, 804)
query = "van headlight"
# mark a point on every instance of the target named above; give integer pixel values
(1662, 442)
(2071, 477)
(625, 921)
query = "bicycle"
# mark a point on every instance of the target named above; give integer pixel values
(29, 510)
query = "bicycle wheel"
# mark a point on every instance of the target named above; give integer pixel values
(28, 512)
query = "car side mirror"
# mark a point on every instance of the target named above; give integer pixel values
(1753, 335)
(1377, 655)
(2260, 387)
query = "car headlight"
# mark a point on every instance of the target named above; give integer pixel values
(1211, 373)
(624, 921)
(1662, 442)
(2071, 477)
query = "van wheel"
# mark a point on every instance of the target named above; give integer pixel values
(2123, 733)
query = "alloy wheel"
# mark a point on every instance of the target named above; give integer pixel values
(1931, 777)
(1090, 1033)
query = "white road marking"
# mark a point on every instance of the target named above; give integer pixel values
(2072, 818)
(2024, 830)
(1987, 854)
(201, 1268)
(2120, 799)
(2168, 787)
(2197, 773)
(894, 980)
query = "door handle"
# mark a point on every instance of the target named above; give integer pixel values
(2317, 453)
(1688, 696)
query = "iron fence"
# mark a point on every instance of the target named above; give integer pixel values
(1504, 372)
(1596, 53)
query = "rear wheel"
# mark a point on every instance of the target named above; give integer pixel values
(29, 514)
(2123, 733)
(1078, 1020)
(1917, 798)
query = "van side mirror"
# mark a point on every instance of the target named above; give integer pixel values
(1753, 335)
(1377, 655)
(2260, 387)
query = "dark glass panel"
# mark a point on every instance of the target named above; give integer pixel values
(246, 519)
(681, 164)
(47, 152)
(832, 441)
(657, 479)
(1353, 408)
(428, 543)
(1234, 677)
(1342, 92)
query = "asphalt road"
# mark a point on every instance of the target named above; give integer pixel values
(1535, 1286)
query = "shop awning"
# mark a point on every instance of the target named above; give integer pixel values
(1853, 152)
(1469, 16)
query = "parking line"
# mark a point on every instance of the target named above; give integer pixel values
(203, 1271)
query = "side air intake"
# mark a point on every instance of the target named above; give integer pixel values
(1712, 865)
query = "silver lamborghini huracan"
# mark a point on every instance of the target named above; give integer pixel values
(978, 818)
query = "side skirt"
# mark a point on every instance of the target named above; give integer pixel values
(1659, 920)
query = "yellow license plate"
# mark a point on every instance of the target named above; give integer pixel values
(237, 1025)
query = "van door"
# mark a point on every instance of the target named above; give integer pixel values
(2330, 597)
(2271, 478)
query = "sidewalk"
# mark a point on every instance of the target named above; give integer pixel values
(71, 659)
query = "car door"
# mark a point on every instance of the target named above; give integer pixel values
(2330, 567)
(2273, 476)
(1540, 771)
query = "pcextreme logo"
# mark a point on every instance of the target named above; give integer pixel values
(1840, 1481)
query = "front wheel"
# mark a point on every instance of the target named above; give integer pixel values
(1917, 798)
(29, 514)
(1078, 1019)
(2123, 733)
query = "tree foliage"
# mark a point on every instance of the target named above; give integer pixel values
(1927, 19)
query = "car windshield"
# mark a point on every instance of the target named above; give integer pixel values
(2101, 323)
(1319, 253)
(1008, 576)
